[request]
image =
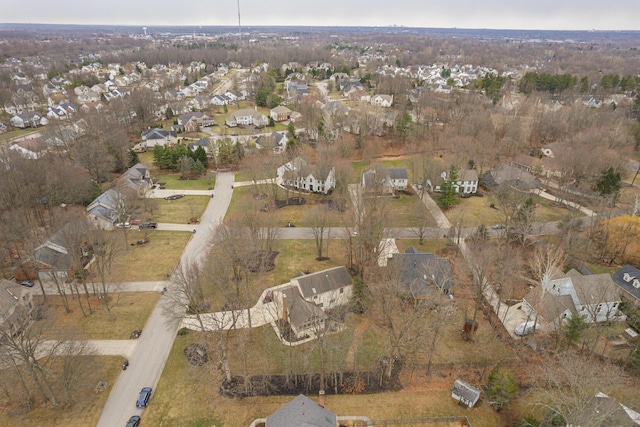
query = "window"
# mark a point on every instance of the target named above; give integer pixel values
(341, 290)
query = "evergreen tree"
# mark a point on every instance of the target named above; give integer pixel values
(501, 387)
(449, 194)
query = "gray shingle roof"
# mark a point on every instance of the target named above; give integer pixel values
(323, 281)
(302, 412)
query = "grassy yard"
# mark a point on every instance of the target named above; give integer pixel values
(474, 211)
(297, 215)
(130, 311)
(173, 182)
(422, 396)
(361, 166)
(405, 211)
(151, 261)
(89, 404)
(17, 133)
(180, 211)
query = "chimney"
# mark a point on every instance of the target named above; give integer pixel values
(321, 398)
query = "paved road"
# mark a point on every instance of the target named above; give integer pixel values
(151, 352)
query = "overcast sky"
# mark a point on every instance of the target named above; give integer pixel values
(494, 14)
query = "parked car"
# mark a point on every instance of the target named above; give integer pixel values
(526, 328)
(27, 283)
(143, 398)
(123, 225)
(174, 197)
(135, 222)
(498, 226)
(134, 421)
(149, 225)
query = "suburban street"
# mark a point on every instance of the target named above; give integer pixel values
(153, 347)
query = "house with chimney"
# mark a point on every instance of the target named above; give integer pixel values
(299, 412)
(247, 117)
(307, 297)
(467, 182)
(385, 180)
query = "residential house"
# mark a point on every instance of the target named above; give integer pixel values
(510, 175)
(309, 296)
(208, 143)
(443, 88)
(302, 411)
(192, 122)
(628, 281)
(92, 107)
(591, 101)
(603, 411)
(88, 95)
(107, 209)
(16, 306)
(200, 102)
(385, 181)
(465, 393)
(136, 180)
(30, 119)
(219, 100)
(280, 113)
(423, 274)
(277, 140)
(346, 84)
(155, 136)
(545, 166)
(382, 100)
(52, 258)
(62, 112)
(247, 117)
(595, 297)
(357, 94)
(299, 175)
(467, 182)
(32, 148)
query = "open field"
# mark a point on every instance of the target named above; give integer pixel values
(180, 211)
(17, 133)
(474, 211)
(151, 261)
(173, 182)
(129, 311)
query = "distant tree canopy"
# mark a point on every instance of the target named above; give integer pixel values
(491, 84)
(614, 81)
(543, 82)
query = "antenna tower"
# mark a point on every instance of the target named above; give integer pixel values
(239, 27)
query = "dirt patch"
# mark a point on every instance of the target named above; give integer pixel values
(196, 354)
(260, 261)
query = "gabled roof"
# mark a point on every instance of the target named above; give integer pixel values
(156, 133)
(302, 412)
(323, 281)
(602, 410)
(10, 294)
(300, 312)
(421, 273)
(628, 278)
(398, 173)
(548, 305)
(105, 205)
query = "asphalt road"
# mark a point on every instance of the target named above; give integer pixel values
(151, 352)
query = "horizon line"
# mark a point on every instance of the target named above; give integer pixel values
(395, 26)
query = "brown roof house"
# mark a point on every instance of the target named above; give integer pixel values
(603, 411)
(16, 306)
(307, 297)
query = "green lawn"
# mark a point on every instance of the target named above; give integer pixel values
(180, 211)
(407, 210)
(173, 182)
(152, 261)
